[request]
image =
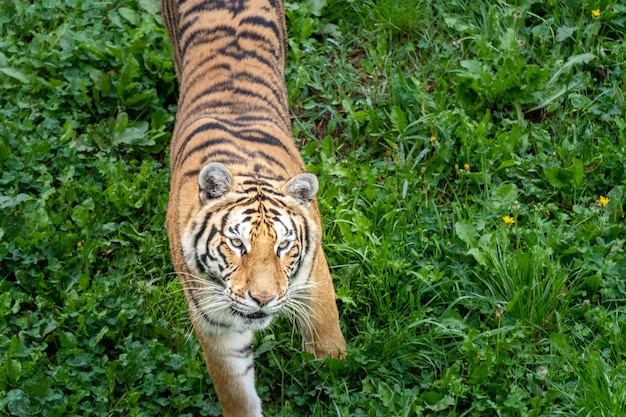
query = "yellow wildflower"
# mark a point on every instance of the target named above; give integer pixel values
(79, 245)
(595, 12)
(466, 166)
(603, 201)
(433, 139)
(508, 220)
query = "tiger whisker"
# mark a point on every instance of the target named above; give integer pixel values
(196, 277)
(300, 311)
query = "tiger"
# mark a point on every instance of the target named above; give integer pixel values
(243, 222)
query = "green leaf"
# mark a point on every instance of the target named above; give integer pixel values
(565, 32)
(135, 135)
(18, 403)
(159, 118)
(475, 69)
(151, 6)
(313, 7)
(398, 118)
(580, 101)
(502, 198)
(130, 15)
(578, 169)
(360, 117)
(10, 202)
(84, 281)
(344, 295)
(140, 101)
(101, 81)
(593, 282)
(557, 177)
(507, 164)
(551, 100)
(516, 399)
(457, 24)
(100, 335)
(430, 397)
(81, 214)
(572, 61)
(68, 340)
(5, 150)
(13, 370)
(12, 72)
(121, 122)
(478, 255)
(467, 233)
(560, 343)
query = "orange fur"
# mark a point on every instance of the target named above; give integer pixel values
(243, 223)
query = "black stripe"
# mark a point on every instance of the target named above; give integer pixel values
(248, 102)
(245, 351)
(246, 135)
(205, 127)
(181, 29)
(223, 255)
(261, 194)
(203, 36)
(233, 6)
(256, 182)
(260, 21)
(206, 144)
(238, 75)
(239, 53)
(201, 71)
(248, 119)
(211, 257)
(276, 213)
(270, 160)
(260, 136)
(302, 251)
(202, 230)
(248, 369)
(241, 123)
(262, 43)
(223, 154)
(250, 212)
(209, 143)
(191, 173)
(241, 97)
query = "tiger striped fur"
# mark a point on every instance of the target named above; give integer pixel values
(243, 223)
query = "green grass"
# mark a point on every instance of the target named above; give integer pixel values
(426, 123)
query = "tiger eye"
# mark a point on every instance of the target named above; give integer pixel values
(237, 243)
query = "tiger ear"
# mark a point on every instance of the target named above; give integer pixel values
(302, 187)
(214, 180)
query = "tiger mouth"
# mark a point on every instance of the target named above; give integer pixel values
(259, 315)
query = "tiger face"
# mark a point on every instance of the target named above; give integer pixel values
(248, 248)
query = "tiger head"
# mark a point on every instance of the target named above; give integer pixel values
(249, 248)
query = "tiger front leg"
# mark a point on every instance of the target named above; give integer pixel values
(229, 360)
(320, 330)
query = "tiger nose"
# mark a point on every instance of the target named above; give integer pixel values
(262, 299)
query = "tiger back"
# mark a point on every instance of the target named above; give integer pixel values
(242, 219)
